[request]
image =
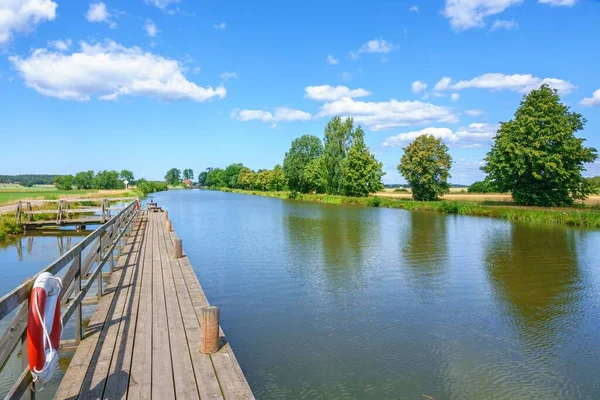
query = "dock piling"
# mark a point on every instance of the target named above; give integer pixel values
(209, 330)
(168, 226)
(178, 248)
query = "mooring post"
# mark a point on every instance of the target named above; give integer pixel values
(209, 330)
(178, 248)
(166, 214)
(168, 226)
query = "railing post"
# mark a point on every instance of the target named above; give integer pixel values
(166, 214)
(178, 248)
(19, 206)
(59, 214)
(78, 313)
(168, 225)
(209, 330)
(29, 394)
(29, 210)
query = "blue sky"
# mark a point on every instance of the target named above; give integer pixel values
(150, 85)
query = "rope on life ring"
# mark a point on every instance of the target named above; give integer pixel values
(44, 327)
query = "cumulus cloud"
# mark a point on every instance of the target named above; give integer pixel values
(331, 93)
(377, 46)
(162, 4)
(388, 114)
(108, 70)
(150, 28)
(496, 82)
(62, 45)
(455, 96)
(418, 87)
(466, 14)
(558, 3)
(282, 114)
(220, 26)
(331, 60)
(509, 25)
(472, 136)
(97, 12)
(474, 112)
(593, 101)
(228, 75)
(23, 16)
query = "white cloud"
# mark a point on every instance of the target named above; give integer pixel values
(388, 114)
(558, 3)
(471, 136)
(196, 70)
(414, 9)
(509, 25)
(150, 28)
(418, 87)
(377, 46)
(228, 75)
(220, 26)
(162, 4)
(331, 60)
(455, 96)
(466, 14)
(108, 70)
(62, 45)
(474, 112)
(281, 114)
(592, 101)
(496, 81)
(331, 93)
(346, 76)
(97, 12)
(23, 16)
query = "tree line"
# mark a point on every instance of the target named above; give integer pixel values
(340, 164)
(175, 177)
(28, 180)
(102, 180)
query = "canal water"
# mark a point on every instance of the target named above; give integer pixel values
(344, 302)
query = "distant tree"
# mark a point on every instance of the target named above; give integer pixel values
(231, 175)
(28, 183)
(64, 182)
(277, 179)
(246, 178)
(215, 178)
(127, 175)
(315, 175)
(426, 166)
(595, 183)
(188, 173)
(485, 186)
(302, 151)
(361, 171)
(84, 179)
(202, 178)
(107, 180)
(262, 180)
(537, 157)
(173, 177)
(338, 139)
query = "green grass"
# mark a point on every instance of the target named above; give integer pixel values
(585, 217)
(8, 197)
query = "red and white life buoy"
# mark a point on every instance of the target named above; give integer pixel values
(44, 327)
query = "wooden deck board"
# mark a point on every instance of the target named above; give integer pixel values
(143, 341)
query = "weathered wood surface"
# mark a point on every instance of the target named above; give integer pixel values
(144, 339)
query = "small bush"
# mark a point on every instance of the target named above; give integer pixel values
(375, 202)
(293, 195)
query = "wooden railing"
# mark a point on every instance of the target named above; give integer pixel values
(101, 244)
(25, 211)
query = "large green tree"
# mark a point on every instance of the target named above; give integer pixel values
(303, 150)
(127, 175)
(173, 177)
(277, 181)
(315, 175)
(107, 180)
(361, 171)
(202, 178)
(64, 182)
(231, 175)
(84, 179)
(425, 165)
(338, 139)
(216, 178)
(537, 157)
(188, 173)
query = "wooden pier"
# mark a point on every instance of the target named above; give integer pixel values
(144, 340)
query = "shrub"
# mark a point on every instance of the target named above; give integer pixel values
(375, 202)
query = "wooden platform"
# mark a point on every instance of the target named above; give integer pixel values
(143, 341)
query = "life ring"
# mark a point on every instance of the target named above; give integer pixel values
(44, 327)
(137, 205)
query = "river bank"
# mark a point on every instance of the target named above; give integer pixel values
(584, 217)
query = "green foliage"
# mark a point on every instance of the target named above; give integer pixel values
(361, 172)
(426, 167)
(64, 182)
(107, 180)
(215, 178)
(302, 151)
(34, 179)
(84, 180)
(276, 179)
(338, 139)
(231, 175)
(537, 157)
(127, 175)
(202, 178)
(188, 173)
(594, 183)
(173, 177)
(400, 190)
(485, 186)
(375, 202)
(145, 187)
(315, 175)
(26, 183)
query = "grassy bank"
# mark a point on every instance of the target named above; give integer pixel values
(10, 195)
(584, 217)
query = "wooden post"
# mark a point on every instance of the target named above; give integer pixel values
(78, 314)
(29, 210)
(19, 206)
(29, 393)
(59, 214)
(168, 226)
(209, 330)
(166, 214)
(178, 248)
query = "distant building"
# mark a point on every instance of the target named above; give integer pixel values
(187, 182)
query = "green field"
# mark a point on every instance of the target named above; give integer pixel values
(10, 195)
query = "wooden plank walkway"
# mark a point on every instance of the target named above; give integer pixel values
(143, 341)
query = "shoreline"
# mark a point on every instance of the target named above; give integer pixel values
(586, 218)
